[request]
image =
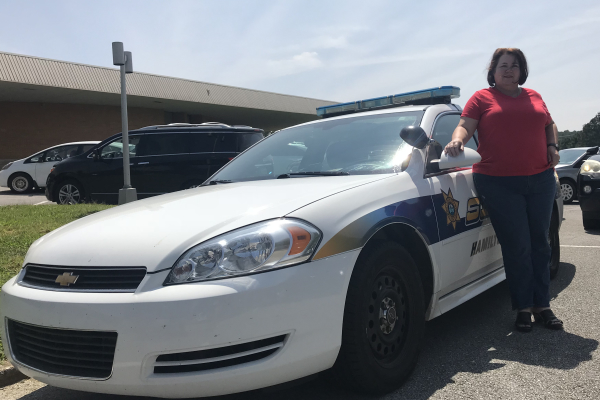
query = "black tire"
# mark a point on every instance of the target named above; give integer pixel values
(568, 190)
(554, 240)
(589, 224)
(69, 192)
(20, 183)
(377, 355)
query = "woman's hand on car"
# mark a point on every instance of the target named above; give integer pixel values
(454, 147)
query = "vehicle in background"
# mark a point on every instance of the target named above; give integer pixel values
(588, 184)
(164, 158)
(23, 175)
(568, 169)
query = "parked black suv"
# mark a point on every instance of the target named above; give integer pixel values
(164, 158)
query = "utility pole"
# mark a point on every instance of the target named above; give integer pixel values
(123, 59)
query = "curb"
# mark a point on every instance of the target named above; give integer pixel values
(9, 374)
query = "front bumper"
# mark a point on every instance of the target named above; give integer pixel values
(590, 204)
(305, 302)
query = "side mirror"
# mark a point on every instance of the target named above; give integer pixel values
(96, 155)
(466, 158)
(592, 151)
(415, 136)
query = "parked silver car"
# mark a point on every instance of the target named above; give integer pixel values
(568, 168)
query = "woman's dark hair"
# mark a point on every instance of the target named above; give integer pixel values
(513, 52)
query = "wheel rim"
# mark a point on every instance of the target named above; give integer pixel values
(567, 191)
(69, 194)
(387, 318)
(20, 184)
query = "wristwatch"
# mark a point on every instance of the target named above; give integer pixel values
(554, 145)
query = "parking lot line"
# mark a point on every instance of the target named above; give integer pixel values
(42, 202)
(568, 245)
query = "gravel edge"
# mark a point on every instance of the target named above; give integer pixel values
(9, 374)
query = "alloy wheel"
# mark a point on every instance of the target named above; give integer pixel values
(567, 191)
(69, 194)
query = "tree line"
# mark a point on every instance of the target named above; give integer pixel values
(587, 137)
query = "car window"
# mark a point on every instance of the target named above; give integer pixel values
(87, 147)
(37, 158)
(444, 127)
(569, 156)
(226, 142)
(202, 142)
(115, 148)
(367, 144)
(246, 140)
(60, 153)
(161, 144)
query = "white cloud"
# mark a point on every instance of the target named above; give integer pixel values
(299, 63)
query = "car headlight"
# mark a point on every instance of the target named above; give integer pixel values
(591, 168)
(7, 166)
(260, 247)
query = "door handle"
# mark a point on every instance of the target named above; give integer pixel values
(142, 163)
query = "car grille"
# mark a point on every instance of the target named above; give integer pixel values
(221, 357)
(124, 279)
(85, 354)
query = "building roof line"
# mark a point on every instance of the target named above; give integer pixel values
(159, 76)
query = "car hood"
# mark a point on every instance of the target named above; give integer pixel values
(155, 232)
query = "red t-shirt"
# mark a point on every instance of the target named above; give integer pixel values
(511, 132)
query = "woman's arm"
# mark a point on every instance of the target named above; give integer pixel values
(461, 135)
(552, 137)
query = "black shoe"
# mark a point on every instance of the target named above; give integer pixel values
(523, 322)
(549, 320)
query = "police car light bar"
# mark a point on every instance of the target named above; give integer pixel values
(438, 95)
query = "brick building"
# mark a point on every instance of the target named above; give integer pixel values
(47, 102)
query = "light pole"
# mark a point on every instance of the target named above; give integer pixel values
(123, 59)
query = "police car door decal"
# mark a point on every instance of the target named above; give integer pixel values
(468, 249)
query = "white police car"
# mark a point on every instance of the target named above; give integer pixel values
(328, 244)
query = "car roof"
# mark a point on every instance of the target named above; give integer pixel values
(68, 144)
(205, 126)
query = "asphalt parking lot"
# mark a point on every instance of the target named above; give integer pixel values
(472, 352)
(8, 198)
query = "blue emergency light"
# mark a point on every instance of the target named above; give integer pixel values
(438, 95)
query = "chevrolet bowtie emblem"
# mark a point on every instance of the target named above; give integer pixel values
(66, 279)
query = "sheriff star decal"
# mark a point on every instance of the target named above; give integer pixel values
(450, 206)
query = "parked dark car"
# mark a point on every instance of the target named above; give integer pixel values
(568, 169)
(588, 185)
(164, 158)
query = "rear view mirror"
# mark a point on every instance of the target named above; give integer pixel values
(465, 158)
(415, 136)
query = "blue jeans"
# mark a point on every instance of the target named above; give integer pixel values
(520, 209)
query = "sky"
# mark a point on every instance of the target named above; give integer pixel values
(332, 50)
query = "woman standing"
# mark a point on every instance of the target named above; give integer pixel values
(515, 179)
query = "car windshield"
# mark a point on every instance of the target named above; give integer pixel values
(358, 145)
(569, 156)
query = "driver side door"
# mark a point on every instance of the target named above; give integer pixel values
(469, 247)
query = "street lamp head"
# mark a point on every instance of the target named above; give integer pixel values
(118, 53)
(128, 63)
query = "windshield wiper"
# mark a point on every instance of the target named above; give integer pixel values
(219, 181)
(324, 173)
